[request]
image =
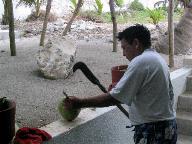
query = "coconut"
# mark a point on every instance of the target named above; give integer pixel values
(66, 113)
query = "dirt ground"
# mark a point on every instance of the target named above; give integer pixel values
(37, 98)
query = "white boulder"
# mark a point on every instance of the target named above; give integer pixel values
(56, 58)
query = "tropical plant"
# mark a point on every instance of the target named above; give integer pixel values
(184, 3)
(90, 15)
(73, 4)
(119, 3)
(99, 6)
(136, 5)
(3, 103)
(36, 3)
(156, 15)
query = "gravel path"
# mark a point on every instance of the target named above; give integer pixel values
(37, 98)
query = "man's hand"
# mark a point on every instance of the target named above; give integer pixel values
(72, 102)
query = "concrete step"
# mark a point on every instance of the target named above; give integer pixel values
(189, 83)
(184, 123)
(187, 61)
(185, 102)
(183, 139)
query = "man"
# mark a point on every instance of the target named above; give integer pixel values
(145, 87)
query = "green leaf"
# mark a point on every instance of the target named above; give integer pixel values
(156, 15)
(119, 3)
(99, 6)
(74, 4)
(3, 100)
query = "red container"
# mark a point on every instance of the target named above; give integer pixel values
(117, 72)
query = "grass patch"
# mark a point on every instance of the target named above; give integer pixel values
(126, 17)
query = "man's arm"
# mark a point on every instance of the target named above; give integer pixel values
(103, 100)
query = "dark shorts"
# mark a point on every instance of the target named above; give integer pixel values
(162, 132)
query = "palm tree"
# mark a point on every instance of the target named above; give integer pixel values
(113, 17)
(182, 34)
(5, 17)
(76, 11)
(35, 3)
(171, 33)
(48, 9)
(11, 28)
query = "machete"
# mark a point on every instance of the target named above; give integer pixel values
(90, 76)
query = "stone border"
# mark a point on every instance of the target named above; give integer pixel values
(60, 128)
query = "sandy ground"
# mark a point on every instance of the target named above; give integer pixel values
(37, 98)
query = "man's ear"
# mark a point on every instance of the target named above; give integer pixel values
(136, 43)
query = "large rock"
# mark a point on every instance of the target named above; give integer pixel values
(56, 58)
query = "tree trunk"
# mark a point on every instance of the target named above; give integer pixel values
(113, 18)
(182, 35)
(37, 8)
(171, 33)
(11, 28)
(77, 9)
(48, 9)
(5, 16)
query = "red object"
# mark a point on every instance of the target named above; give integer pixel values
(117, 72)
(27, 135)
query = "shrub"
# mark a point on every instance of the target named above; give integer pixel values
(99, 6)
(119, 3)
(33, 17)
(74, 4)
(90, 16)
(156, 15)
(136, 6)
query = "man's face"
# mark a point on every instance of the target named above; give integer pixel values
(130, 51)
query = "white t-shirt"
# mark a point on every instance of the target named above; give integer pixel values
(146, 88)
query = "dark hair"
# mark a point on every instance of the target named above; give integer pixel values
(136, 31)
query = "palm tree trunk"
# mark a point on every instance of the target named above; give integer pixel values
(5, 17)
(77, 9)
(113, 18)
(48, 9)
(182, 35)
(37, 8)
(11, 28)
(171, 33)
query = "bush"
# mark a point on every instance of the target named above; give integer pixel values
(119, 3)
(136, 6)
(99, 6)
(73, 4)
(156, 15)
(33, 17)
(90, 16)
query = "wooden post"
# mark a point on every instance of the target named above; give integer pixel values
(113, 18)
(171, 33)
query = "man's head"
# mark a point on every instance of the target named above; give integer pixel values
(134, 40)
